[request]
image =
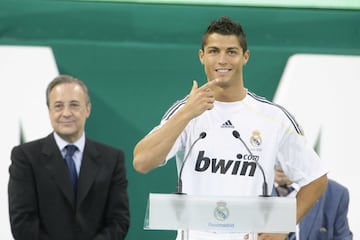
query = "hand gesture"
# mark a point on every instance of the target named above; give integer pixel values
(200, 99)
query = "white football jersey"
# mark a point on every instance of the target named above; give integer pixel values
(220, 164)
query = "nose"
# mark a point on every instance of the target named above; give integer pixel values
(67, 111)
(222, 58)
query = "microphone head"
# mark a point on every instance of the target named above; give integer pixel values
(236, 134)
(203, 135)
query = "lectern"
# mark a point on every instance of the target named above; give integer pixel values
(220, 213)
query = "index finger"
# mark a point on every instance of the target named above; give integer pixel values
(209, 84)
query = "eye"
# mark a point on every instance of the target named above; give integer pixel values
(232, 52)
(58, 107)
(213, 51)
(75, 105)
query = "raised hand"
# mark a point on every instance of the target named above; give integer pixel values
(200, 99)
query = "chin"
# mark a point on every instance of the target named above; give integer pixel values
(66, 132)
(222, 83)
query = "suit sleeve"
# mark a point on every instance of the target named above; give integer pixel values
(23, 210)
(117, 215)
(341, 225)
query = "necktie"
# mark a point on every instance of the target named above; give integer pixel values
(70, 149)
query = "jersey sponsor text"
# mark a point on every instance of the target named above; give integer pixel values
(222, 166)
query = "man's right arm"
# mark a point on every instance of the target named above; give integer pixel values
(152, 150)
(24, 218)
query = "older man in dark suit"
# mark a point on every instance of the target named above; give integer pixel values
(58, 195)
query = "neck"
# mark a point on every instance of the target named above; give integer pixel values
(230, 95)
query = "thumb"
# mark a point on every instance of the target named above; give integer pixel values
(195, 85)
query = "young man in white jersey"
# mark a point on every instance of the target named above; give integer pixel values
(240, 127)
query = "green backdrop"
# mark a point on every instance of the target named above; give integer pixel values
(137, 59)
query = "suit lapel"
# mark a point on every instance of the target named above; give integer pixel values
(56, 166)
(88, 170)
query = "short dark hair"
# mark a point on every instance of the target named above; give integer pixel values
(66, 79)
(225, 26)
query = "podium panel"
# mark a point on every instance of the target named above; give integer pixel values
(215, 213)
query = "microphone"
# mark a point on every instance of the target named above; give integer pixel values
(236, 134)
(179, 185)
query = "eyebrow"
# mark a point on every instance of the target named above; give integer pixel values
(229, 48)
(71, 101)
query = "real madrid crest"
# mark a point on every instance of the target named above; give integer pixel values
(256, 139)
(221, 212)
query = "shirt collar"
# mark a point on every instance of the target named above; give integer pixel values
(61, 143)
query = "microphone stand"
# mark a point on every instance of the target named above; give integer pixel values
(179, 185)
(185, 233)
(265, 193)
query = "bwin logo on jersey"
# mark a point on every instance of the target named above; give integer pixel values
(227, 124)
(222, 166)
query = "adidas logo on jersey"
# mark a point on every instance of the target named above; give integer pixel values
(227, 124)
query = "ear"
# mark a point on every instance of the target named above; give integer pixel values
(88, 110)
(246, 56)
(201, 56)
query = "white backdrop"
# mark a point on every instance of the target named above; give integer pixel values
(24, 75)
(321, 91)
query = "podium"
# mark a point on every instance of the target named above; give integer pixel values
(220, 214)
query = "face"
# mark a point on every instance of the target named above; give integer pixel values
(68, 110)
(223, 59)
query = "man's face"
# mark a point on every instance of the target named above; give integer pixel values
(68, 110)
(223, 58)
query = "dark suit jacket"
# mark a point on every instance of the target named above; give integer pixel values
(327, 219)
(42, 204)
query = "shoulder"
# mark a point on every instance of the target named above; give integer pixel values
(32, 145)
(97, 147)
(274, 110)
(34, 151)
(335, 188)
(174, 108)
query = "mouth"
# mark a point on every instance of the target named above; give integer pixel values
(67, 122)
(223, 70)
